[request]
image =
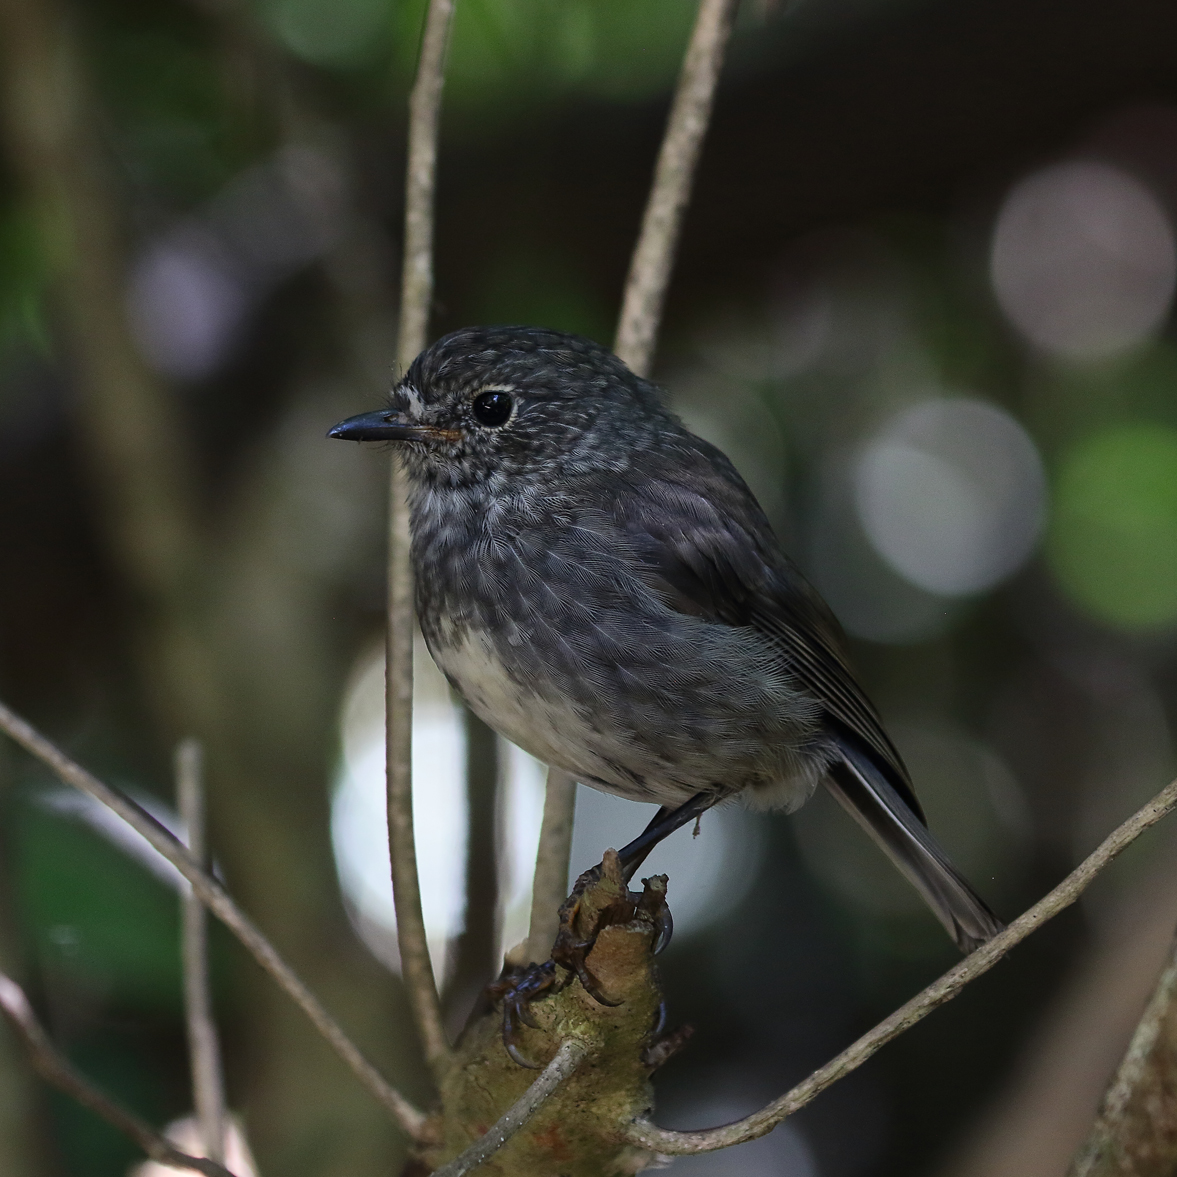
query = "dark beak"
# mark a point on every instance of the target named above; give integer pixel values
(387, 425)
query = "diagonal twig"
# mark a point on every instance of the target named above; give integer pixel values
(219, 902)
(550, 884)
(204, 1049)
(416, 296)
(571, 1054)
(653, 257)
(54, 1068)
(943, 990)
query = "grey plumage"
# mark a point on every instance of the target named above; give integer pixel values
(603, 589)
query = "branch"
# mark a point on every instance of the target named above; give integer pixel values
(1133, 1135)
(416, 295)
(218, 901)
(127, 425)
(54, 1068)
(550, 884)
(571, 1054)
(653, 257)
(945, 989)
(204, 1050)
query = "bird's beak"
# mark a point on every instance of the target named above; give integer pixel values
(387, 425)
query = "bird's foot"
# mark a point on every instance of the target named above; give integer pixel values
(599, 899)
(518, 988)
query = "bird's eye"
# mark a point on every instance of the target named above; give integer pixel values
(492, 408)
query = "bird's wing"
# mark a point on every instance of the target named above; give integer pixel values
(706, 549)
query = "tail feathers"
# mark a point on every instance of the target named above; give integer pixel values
(873, 802)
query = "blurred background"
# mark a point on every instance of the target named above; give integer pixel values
(924, 301)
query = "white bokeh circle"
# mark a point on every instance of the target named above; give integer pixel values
(1083, 260)
(952, 495)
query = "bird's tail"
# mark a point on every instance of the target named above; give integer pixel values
(874, 803)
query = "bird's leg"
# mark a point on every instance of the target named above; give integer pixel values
(661, 826)
(579, 927)
(570, 950)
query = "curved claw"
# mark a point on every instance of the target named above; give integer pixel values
(518, 991)
(591, 985)
(522, 1010)
(661, 1014)
(665, 930)
(516, 1057)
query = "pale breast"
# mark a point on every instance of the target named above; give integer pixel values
(553, 729)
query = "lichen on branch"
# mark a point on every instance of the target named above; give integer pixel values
(581, 1130)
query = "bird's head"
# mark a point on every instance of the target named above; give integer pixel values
(512, 400)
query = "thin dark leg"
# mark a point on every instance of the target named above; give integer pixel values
(664, 823)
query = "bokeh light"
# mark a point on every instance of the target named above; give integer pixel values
(192, 287)
(709, 874)
(330, 32)
(952, 495)
(1113, 540)
(1083, 260)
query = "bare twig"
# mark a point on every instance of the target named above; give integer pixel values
(218, 901)
(129, 426)
(637, 332)
(416, 296)
(653, 257)
(54, 1068)
(550, 885)
(473, 956)
(571, 1054)
(1135, 1133)
(945, 989)
(204, 1048)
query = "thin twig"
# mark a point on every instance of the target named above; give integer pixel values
(54, 1068)
(416, 296)
(637, 332)
(945, 989)
(204, 1048)
(218, 901)
(571, 1054)
(653, 257)
(550, 884)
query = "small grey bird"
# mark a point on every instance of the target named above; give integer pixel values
(603, 589)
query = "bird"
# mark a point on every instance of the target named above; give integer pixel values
(603, 589)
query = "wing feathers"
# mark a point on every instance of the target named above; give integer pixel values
(869, 798)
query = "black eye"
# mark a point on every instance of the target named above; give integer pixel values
(492, 408)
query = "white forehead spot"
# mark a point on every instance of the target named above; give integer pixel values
(412, 400)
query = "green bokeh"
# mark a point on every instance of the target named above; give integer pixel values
(95, 915)
(334, 33)
(543, 290)
(24, 274)
(505, 54)
(1113, 539)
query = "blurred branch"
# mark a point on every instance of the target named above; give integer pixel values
(637, 332)
(416, 296)
(550, 885)
(54, 1068)
(218, 901)
(570, 1055)
(1135, 1133)
(653, 256)
(208, 1087)
(126, 425)
(473, 960)
(943, 990)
